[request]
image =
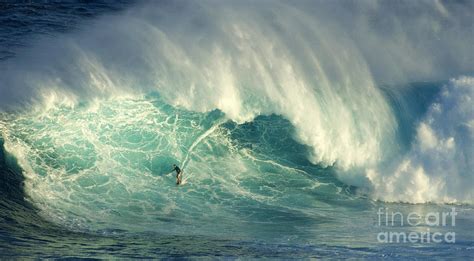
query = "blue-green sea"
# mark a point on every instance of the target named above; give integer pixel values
(311, 129)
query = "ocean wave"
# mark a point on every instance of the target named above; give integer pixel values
(297, 61)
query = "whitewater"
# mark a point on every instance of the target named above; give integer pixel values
(289, 120)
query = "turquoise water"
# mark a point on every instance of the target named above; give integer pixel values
(108, 167)
(104, 169)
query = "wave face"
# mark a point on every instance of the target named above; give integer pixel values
(108, 166)
(263, 104)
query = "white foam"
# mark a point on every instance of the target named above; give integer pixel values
(439, 167)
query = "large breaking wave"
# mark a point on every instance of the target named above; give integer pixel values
(96, 116)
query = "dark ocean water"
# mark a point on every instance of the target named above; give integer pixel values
(24, 21)
(87, 176)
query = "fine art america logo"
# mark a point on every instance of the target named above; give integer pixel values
(432, 227)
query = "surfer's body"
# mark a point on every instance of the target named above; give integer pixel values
(178, 174)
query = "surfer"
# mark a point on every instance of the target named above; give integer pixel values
(178, 174)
